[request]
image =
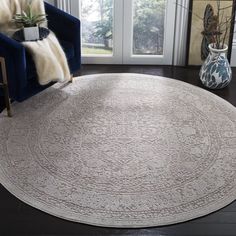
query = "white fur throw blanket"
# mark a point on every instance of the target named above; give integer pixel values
(49, 57)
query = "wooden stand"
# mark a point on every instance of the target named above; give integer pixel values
(4, 85)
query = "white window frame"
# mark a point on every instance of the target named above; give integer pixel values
(181, 19)
(116, 56)
(166, 58)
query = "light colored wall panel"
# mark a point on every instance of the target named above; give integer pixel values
(233, 56)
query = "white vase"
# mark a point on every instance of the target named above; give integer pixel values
(31, 33)
(216, 72)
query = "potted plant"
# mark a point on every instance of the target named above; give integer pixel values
(216, 72)
(30, 23)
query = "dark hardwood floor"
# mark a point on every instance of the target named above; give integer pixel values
(17, 218)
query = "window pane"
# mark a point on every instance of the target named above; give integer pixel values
(97, 27)
(148, 27)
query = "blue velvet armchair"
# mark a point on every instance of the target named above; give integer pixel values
(21, 72)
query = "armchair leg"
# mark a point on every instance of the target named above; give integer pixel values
(71, 78)
(7, 101)
(4, 85)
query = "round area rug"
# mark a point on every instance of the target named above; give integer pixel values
(121, 150)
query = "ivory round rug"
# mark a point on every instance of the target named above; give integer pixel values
(122, 150)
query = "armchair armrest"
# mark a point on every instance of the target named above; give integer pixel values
(10, 43)
(14, 55)
(65, 26)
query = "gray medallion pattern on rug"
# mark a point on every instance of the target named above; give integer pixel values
(121, 150)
